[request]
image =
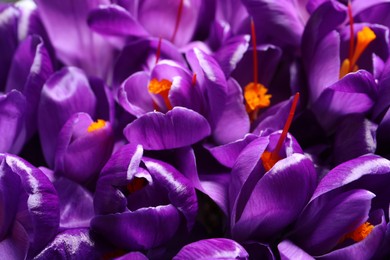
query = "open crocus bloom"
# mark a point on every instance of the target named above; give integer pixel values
(352, 199)
(29, 208)
(141, 203)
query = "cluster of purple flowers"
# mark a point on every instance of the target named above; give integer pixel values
(195, 129)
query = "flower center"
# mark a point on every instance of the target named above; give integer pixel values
(255, 94)
(364, 38)
(269, 159)
(136, 184)
(360, 233)
(162, 88)
(100, 123)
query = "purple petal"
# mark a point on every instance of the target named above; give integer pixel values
(371, 165)
(296, 177)
(268, 57)
(81, 154)
(288, 250)
(134, 96)
(281, 21)
(8, 41)
(12, 116)
(65, 93)
(234, 123)
(141, 229)
(231, 53)
(216, 187)
(318, 232)
(180, 191)
(16, 245)
(75, 43)
(159, 19)
(359, 250)
(71, 244)
(39, 209)
(354, 93)
(215, 248)
(178, 128)
(114, 20)
(30, 69)
(76, 204)
(355, 137)
(227, 154)
(212, 83)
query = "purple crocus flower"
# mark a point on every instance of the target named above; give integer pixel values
(75, 44)
(260, 197)
(142, 203)
(29, 208)
(215, 248)
(66, 92)
(347, 215)
(82, 141)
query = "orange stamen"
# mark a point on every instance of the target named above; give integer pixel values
(271, 158)
(360, 233)
(255, 94)
(178, 18)
(94, 126)
(364, 38)
(162, 88)
(136, 184)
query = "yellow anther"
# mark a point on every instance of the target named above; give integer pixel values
(256, 97)
(360, 233)
(162, 88)
(100, 123)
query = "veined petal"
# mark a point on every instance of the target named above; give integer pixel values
(178, 128)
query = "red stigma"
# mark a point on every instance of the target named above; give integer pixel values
(271, 158)
(254, 46)
(178, 18)
(352, 36)
(193, 81)
(158, 51)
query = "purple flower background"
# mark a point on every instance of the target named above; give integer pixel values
(194, 129)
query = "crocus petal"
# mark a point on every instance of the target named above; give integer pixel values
(41, 205)
(354, 93)
(268, 57)
(212, 83)
(231, 53)
(76, 204)
(373, 12)
(234, 122)
(359, 250)
(289, 251)
(65, 93)
(383, 101)
(16, 245)
(327, 219)
(30, 69)
(12, 116)
(215, 248)
(140, 54)
(216, 187)
(71, 243)
(159, 19)
(352, 170)
(114, 20)
(10, 188)
(75, 43)
(178, 128)
(296, 177)
(282, 21)
(180, 191)
(227, 154)
(355, 137)
(80, 153)
(321, 47)
(8, 41)
(141, 229)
